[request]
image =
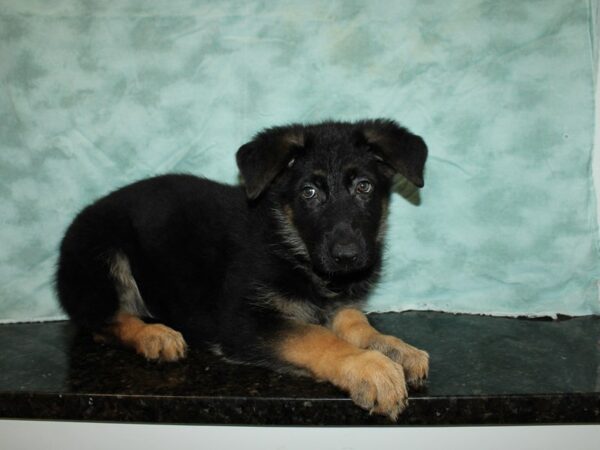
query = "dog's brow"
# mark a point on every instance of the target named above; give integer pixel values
(319, 176)
(352, 171)
(356, 170)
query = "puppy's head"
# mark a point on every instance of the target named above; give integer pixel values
(329, 185)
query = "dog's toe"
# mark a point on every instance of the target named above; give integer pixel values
(414, 361)
(376, 383)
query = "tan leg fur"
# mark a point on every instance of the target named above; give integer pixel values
(352, 326)
(153, 341)
(373, 381)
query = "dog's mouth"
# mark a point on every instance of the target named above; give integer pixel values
(343, 275)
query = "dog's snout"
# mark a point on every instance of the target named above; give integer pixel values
(345, 253)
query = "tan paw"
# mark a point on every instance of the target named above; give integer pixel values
(159, 342)
(414, 361)
(375, 383)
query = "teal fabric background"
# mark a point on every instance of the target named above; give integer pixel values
(95, 94)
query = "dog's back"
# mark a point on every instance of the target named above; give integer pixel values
(162, 238)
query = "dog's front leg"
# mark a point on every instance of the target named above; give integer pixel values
(374, 381)
(352, 326)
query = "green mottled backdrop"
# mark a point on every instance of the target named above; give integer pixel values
(95, 94)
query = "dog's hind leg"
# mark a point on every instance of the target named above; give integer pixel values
(153, 341)
(100, 294)
(352, 326)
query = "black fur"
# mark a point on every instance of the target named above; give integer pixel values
(215, 261)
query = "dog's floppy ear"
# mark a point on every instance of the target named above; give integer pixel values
(397, 147)
(263, 158)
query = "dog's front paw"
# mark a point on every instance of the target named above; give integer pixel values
(159, 342)
(414, 361)
(375, 383)
(416, 367)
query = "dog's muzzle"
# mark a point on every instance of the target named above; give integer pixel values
(345, 250)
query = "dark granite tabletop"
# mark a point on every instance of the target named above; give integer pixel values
(484, 370)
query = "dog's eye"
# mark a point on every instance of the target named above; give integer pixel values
(309, 192)
(364, 187)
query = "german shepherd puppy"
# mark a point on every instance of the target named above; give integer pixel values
(271, 273)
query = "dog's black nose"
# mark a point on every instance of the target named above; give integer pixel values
(345, 253)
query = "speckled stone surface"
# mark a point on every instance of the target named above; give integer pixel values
(484, 370)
